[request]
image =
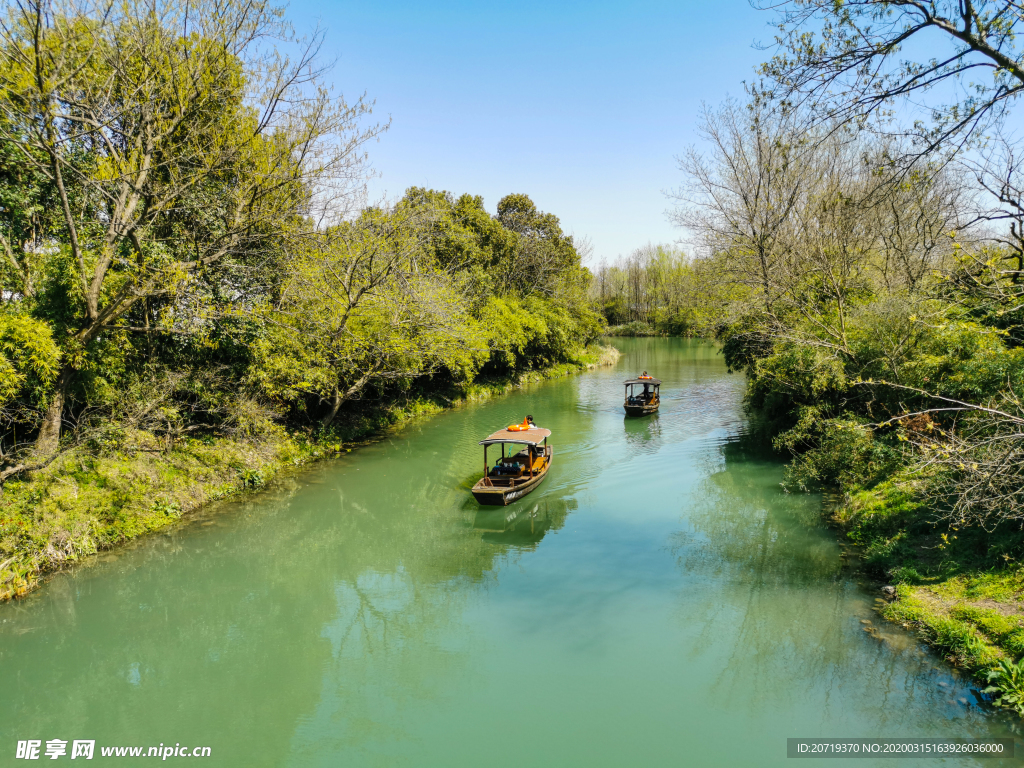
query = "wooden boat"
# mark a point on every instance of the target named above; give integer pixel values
(515, 475)
(647, 401)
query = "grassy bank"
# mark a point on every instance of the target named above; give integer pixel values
(960, 590)
(88, 501)
(637, 329)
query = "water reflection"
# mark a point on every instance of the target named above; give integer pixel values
(522, 526)
(642, 433)
(770, 592)
(741, 526)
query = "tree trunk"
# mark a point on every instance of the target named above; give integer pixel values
(49, 433)
(339, 398)
(335, 405)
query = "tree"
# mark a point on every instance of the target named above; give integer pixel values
(845, 59)
(977, 463)
(796, 217)
(29, 220)
(845, 62)
(741, 199)
(857, 62)
(539, 258)
(174, 139)
(362, 303)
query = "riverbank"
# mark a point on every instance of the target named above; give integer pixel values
(960, 590)
(599, 604)
(87, 501)
(636, 329)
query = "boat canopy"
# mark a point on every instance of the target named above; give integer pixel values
(531, 436)
(655, 382)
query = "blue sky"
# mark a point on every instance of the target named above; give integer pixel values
(581, 105)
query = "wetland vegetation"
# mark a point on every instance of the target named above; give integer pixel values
(195, 294)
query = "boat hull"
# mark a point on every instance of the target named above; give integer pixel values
(491, 495)
(641, 410)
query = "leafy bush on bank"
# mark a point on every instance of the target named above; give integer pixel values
(635, 328)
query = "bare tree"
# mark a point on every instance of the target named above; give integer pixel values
(846, 60)
(740, 199)
(797, 216)
(920, 220)
(975, 464)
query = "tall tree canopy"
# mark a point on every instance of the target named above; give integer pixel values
(150, 144)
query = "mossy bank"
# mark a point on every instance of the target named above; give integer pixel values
(961, 590)
(87, 501)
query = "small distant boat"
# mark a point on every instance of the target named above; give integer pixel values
(647, 401)
(515, 475)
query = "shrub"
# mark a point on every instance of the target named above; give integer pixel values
(905, 575)
(635, 328)
(838, 452)
(1006, 679)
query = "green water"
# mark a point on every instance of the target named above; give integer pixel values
(658, 601)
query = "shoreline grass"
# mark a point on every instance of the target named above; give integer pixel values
(960, 590)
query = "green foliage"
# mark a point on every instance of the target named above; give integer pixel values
(821, 404)
(377, 306)
(510, 331)
(1007, 681)
(181, 282)
(960, 639)
(886, 520)
(251, 478)
(661, 288)
(993, 623)
(905, 575)
(29, 357)
(798, 381)
(840, 452)
(635, 328)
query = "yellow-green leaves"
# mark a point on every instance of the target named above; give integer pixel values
(29, 357)
(362, 306)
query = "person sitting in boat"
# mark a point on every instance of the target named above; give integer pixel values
(527, 424)
(507, 465)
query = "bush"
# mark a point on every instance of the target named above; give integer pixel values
(681, 323)
(905, 575)
(793, 379)
(635, 328)
(839, 452)
(1007, 680)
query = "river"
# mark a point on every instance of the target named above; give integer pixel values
(660, 600)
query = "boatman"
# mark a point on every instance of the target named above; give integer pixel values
(536, 450)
